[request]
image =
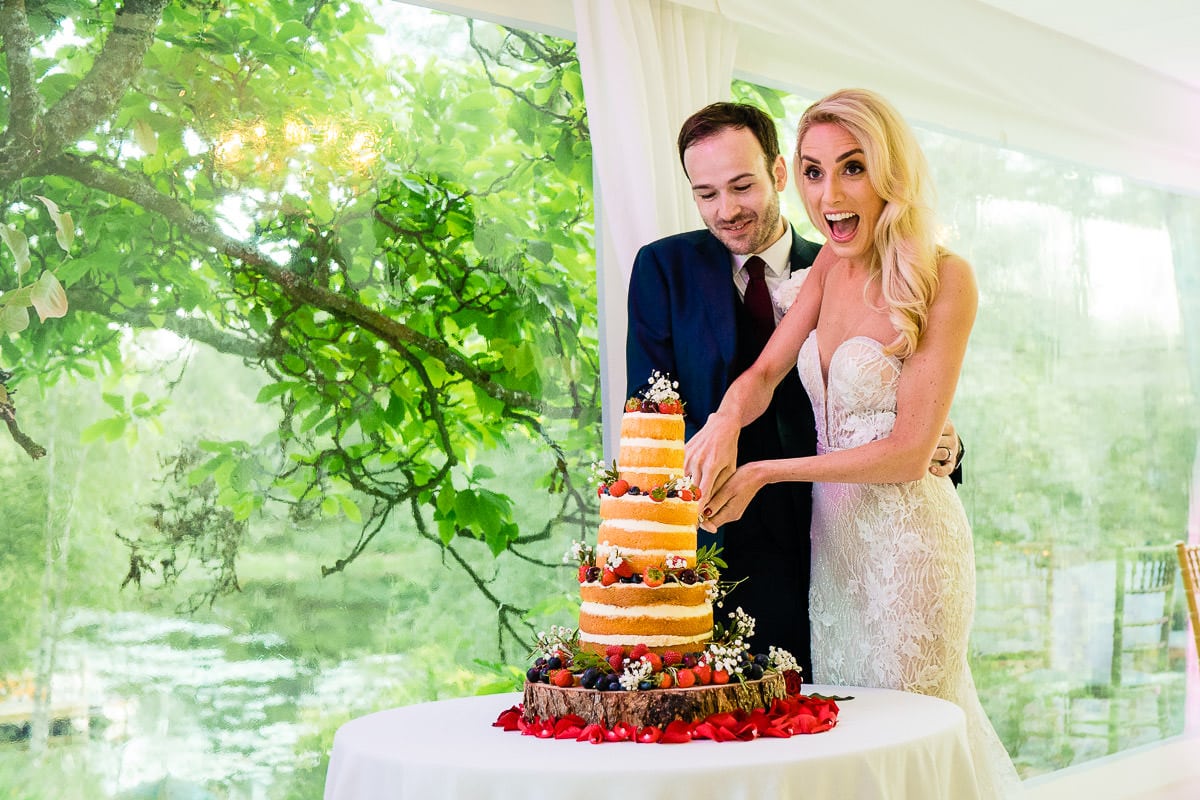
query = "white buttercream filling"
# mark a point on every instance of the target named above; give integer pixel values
(658, 474)
(605, 549)
(645, 526)
(653, 612)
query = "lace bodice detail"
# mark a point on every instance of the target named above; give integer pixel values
(892, 589)
(859, 405)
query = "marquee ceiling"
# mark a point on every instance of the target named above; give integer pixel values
(1163, 35)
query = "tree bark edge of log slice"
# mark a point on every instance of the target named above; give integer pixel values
(657, 707)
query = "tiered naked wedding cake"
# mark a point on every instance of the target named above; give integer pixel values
(646, 651)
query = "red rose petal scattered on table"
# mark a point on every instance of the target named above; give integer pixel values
(677, 732)
(649, 734)
(509, 720)
(594, 733)
(790, 716)
(568, 727)
(746, 731)
(622, 732)
(724, 719)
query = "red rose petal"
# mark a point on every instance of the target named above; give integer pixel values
(649, 734)
(594, 733)
(568, 727)
(677, 732)
(621, 732)
(508, 719)
(787, 717)
(745, 732)
(723, 720)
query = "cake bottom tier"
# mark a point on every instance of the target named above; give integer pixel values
(657, 707)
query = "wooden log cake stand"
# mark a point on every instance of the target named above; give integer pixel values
(656, 707)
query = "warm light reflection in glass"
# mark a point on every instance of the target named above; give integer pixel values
(363, 147)
(263, 145)
(295, 132)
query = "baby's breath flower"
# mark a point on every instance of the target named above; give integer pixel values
(781, 660)
(633, 674)
(580, 553)
(661, 388)
(558, 639)
(601, 473)
(741, 625)
(726, 657)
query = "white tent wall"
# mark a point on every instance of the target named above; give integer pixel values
(955, 65)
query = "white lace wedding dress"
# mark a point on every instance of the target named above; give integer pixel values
(893, 568)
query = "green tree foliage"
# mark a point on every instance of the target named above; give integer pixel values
(402, 248)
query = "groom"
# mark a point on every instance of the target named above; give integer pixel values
(700, 310)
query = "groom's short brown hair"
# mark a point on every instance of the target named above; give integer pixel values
(716, 117)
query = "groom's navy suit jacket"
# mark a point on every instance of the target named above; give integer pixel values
(686, 319)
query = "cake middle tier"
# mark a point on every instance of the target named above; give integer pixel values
(672, 616)
(646, 531)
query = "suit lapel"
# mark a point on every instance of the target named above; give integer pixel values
(803, 253)
(716, 283)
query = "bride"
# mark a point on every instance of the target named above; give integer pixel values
(878, 335)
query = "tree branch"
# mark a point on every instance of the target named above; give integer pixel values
(92, 100)
(9, 415)
(194, 328)
(25, 103)
(295, 286)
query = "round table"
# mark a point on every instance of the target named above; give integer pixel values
(887, 745)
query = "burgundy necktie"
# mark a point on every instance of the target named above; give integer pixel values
(758, 301)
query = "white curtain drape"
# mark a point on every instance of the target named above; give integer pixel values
(646, 65)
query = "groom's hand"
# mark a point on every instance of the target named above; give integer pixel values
(945, 455)
(710, 457)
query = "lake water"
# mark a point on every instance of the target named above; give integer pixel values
(183, 709)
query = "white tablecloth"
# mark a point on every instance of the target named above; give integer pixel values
(887, 745)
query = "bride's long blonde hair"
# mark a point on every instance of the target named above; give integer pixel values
(906, 253)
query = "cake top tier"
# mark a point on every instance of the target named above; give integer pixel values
(661, 396)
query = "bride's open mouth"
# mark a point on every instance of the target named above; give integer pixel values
(842, 226)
